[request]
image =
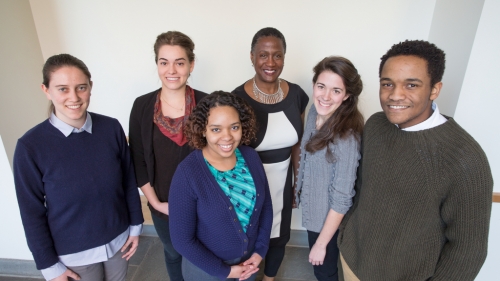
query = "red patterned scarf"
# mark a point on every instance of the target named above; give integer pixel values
(173, 128)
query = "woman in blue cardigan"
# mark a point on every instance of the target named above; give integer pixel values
(75, 183)
(220, 210)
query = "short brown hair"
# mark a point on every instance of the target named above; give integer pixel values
(198, 119)
(175, 38)
(57, 61)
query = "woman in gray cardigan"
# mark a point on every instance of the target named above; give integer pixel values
(329, 159)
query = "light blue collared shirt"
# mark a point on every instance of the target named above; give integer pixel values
(435, 120)
(97, 254)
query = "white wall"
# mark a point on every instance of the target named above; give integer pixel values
(115, 38)
(477, 108)
(453, 29)
(13, 240)
(477, 112)
(22, 105)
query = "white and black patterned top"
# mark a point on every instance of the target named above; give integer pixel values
(279, 128)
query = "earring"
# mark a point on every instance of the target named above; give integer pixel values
(204, 136)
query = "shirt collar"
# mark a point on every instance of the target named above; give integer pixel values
(68, 129)
(435, 120)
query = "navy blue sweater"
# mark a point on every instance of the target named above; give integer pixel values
(204, 226)
(77, 192)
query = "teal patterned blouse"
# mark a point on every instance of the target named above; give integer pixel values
(239, 187)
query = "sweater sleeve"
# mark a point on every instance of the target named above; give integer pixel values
(31, 198)
(136, 144)
(466, 213)
(265, 218)
(183, 219)
(129, 182)
(341, 190)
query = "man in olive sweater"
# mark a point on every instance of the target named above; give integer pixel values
(424, 189)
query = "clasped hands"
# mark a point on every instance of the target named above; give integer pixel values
(247, 268)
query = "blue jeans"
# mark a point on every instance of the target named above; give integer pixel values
(328, 271)
(194, 273)
(173, 259)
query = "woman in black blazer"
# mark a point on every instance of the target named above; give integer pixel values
(157, 140)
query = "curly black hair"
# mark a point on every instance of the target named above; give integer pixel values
(434, 56)
(198, 119)
(268, 31)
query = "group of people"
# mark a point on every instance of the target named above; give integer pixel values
(406, 196)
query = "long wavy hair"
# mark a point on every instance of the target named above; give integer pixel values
(347, 119)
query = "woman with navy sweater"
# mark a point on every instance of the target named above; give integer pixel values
(220, 210)
(157, 139)
(75, 183)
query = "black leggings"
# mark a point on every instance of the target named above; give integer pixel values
(273, 260)
(328, 271)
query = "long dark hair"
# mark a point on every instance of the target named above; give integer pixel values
(346, 120)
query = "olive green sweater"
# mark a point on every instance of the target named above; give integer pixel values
(422, 205)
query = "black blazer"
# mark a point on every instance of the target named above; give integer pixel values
(141, 135)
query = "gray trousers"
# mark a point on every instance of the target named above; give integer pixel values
(114, 269)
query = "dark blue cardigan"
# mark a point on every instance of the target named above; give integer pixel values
(203, 223)
(77, 192)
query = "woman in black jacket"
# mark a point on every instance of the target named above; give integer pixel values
(157, 140)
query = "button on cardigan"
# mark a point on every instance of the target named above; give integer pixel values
(322, 185)
(204, 226)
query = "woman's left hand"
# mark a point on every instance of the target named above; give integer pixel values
(317, 254)
(133, 242)
(254, 262)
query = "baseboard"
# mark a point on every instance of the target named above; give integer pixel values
(19, 268)
(298, 238)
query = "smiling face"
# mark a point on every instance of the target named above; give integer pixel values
(223, 133)
(406, 93)
(173, 67)
(69, 90)
(328, 93)
(268, 59)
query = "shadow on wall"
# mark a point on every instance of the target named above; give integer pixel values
(22, 104)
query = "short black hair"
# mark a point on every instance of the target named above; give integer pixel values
(198, 119)
(434, 56)
(268, 31)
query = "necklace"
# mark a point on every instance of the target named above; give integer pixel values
(268, 98)
(180, 109)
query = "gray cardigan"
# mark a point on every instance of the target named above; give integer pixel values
(321, 185)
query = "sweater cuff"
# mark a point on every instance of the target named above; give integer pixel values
(54, 271)
(225, 272)
(262, 251)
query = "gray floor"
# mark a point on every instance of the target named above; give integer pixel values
(148, 264)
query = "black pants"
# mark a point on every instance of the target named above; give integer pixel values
(273, 260)
(328, 271)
